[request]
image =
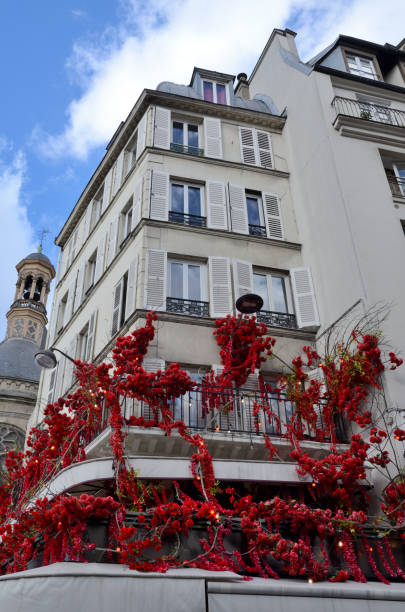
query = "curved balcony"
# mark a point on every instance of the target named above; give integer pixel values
(33, 304)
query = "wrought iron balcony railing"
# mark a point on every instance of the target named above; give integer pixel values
(368, 111)
(194, 308)
(234, 412)
(277, 319)
(184, 219)
(257, 230)
(29, 304)
(179, 148)
(397, 186)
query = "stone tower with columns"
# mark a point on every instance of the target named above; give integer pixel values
(25, 335)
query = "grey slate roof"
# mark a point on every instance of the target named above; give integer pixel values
(17, 359)
(39, 257)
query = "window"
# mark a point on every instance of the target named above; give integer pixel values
(90, 271)
(256, 147)
(130, 154)
(126, 222)
(82, 344)
(71, 251)
(38, 289)
(96, 209)
(119, 301)
(188, 407)
(186, 205)
(187, 288)
(215, 92)
(254, 208)
(27, 288)
(61, 313)
(274, 289)
(186, 137)
(396, 178)
(362, 66)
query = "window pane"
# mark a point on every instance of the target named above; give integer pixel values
(278, 291)
(208, 91)
(260, 288)
(194, 283)
(221, 95)
(253, 211)
(176, 280)
(177, 198)
(193, 135)
(194, 201)
(177, 132)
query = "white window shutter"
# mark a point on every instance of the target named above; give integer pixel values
(106, 191)
(216, 206)
(246, 407)
(150, 365)
(161, 137)
(318, 375)
(247, 146)
(242, 277)
(51, 388)
(69, 305)
(91, 337)
(136, 205)
(52, 323)
(159, 196)
(100, 259)
(141, 138)
(112, 241)
(117, 307)
(265, 149)
(87, 218)
(131, 287)
(155, 279)
(79, 288)
(304, 297)
(119, 168)
(237, 200)
(76, 243)
(272, 212)
(220, 286)
(213, 138)
(68, 379)
(59, 378)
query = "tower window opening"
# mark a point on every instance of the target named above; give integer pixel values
(27, 288)
(38, 289)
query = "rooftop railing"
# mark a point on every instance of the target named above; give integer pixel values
(368, 111)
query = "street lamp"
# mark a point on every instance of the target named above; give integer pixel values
(249, 303)
(47, 358)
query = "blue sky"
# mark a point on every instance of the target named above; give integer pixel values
(72, 70)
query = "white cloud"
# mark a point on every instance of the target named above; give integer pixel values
(78, 13)
(163, 39)
(16, 232)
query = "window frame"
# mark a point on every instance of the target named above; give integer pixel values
(83, 339)
(185, 199)
(214, 91)
(185, 132)
(269, 274)
(61, 312)
(256, 195)
(203, 278)
(126, 215)
(130, 154)
(96, 209)
(397, 171)
(370, 57)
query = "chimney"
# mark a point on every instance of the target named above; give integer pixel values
(242, 87)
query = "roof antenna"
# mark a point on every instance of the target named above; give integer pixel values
(42, 236)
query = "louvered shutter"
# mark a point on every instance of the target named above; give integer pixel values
(79, 288)
(106, 191)
(213, 138)
(242, 277)
(91, 336)
(119, 167)
(76, 243)
(237, 200)
(155, 279)
(52, 323)
(87, 219)
(112, 241)
(69, 305)
(249, 393)
(131, 287)
(272, 212)
(136, 205)
(100, 259)
(247, 146)
(216, 206)
(117, 307)
(150, 365)
(265, 150)
(51, 388)
(220, 286)
(59, 378)
(161, 136)
(317, 375)
(227, 417)
(159, 197)
(68, 379)
(141, 138)
(304, 297)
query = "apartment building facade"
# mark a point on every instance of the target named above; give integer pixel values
(345, 137)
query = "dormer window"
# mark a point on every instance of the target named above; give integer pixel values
(215, 92)
(362, 66)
